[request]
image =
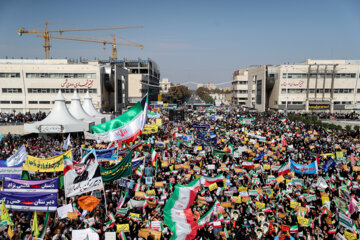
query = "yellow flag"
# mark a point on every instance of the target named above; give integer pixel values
(35, 226)
(350, 235)
(5, 215)
(213, 187)
(304, 222)
(260, 205)
(10, 232)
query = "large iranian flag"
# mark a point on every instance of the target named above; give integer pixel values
(177, 212)
(127, 127)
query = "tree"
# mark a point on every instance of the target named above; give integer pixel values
(178, 93)
(204, 94)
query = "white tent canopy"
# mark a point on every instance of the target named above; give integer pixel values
(59, 120)
(90, 109)
(77, 110)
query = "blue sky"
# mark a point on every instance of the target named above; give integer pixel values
(198, 41)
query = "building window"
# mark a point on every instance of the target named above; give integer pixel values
(16, 102)
(297, 103)
(344, 90)
(9, 75)
(33, 102)
(11, 90)
(4, 102)
(258, 91)
(275, 102)
(44, 102)
(343, 103)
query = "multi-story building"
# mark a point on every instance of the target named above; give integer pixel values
(239, 87)
(165, 85)
(144, 76)
(312, 85)
(210, 86)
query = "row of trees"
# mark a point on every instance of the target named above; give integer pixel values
(178, 93)
(309, 120)
(181, 93)
(204, 94)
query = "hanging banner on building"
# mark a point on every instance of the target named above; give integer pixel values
(319, 106)
(102, 155)
(53, 164)
(17, 185)
(311, 168)
(11, 172)
(122, 169)
(83, 177)
(21, 201)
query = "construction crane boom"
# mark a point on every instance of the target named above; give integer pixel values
(47, 32)
(83, 39)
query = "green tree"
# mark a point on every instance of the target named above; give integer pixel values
(178, 93)
(204, 94)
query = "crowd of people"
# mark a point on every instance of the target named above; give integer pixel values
(253, 197)
(12, 118)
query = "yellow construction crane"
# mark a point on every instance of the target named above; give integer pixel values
(113, 43)
(47, 32)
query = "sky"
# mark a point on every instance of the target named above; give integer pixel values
(191, 41)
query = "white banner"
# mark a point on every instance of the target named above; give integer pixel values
(84, 234)
(62, 211)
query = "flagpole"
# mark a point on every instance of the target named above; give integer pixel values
(105, 201)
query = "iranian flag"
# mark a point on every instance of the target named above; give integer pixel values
(230, 148)
(177, 212)
(206, 217)
(125, 128)
(68, 164)
(247, 164)
(216, 224)
(294, 229)
(266, 210)
(283, 120)
(210, 180)
(284, 169)
(154, 156)
(122, 235)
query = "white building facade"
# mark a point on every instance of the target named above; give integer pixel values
(239, 87)
(165, 85)
(31, 85)
(312, 85)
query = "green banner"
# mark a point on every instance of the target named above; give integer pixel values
(122, 169)
(219, 153)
